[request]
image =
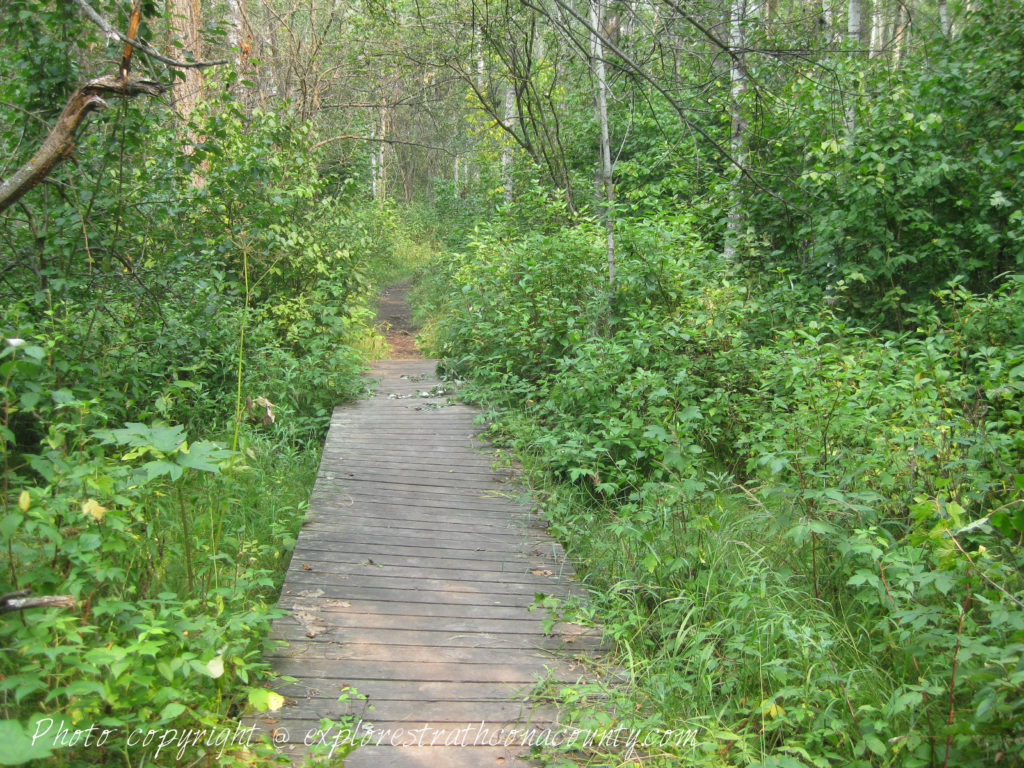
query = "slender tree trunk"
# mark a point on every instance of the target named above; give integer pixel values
(900, 35)
(737, 138)
(606, 179)
(506, 151)
(853, 43)
(381, 184)
(481, 88)
(238, 36)
(944, 21)
(853, 23)
(374, 179)
(877, 28)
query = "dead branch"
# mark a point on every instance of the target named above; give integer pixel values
(61, 141)
(20, 601)
(113, 34)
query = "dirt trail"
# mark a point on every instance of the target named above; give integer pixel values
(394, 319)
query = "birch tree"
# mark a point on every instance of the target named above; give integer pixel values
(737, 134)
(605, 178)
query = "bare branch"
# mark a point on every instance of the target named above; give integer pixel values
(113, 34)
(20, 600)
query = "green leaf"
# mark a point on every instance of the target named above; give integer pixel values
(202, 455)
(875, 744)
(155, 469)
(9, 524)
(18, 747)
(264, 699)
(172, 710)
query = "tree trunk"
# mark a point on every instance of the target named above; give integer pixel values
(379, 181)
(186, 21)
(481, 89)
(877, 29)
(853, 24)
(900, 35)
(606, 180)
(506, 151)
(737, 138)
(238, 35)
(853, 43)
(944, 21)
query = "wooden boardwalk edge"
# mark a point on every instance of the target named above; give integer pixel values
(411, 583)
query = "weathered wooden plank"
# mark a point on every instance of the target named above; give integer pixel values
(501, 571)
(426, 522)
(403, 552)
(357, 606)
(464, 654)
(355, 671)
(331, 619)
(484, 583)
(323, 645)
(418, 713)
(410, 692)
(438, 757)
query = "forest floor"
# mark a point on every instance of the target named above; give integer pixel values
(394, 320)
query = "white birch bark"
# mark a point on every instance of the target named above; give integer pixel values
(944, 21)
(506, 151)
(737, 138)
(378, 180)
(606, 179)
(853, 43)
(877, 28)
(374, 184)
(481, 89)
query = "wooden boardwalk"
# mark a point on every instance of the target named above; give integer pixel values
(411, 582)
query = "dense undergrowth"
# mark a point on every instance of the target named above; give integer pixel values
(803, 534)
(178, 324)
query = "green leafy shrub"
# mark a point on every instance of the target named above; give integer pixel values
(807, 530)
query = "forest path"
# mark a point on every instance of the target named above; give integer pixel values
(411, 582)
(394, 320)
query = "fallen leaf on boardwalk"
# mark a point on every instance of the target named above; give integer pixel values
(307, 567)
(541, 572)
(337, 604)
(310, 593)
(312, 623)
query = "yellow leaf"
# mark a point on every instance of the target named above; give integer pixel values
(93, 509)
(275, 701)
(24, 501)
(771, 710)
